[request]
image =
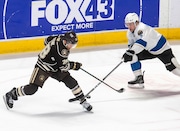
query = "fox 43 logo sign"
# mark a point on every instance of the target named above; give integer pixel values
(58, 12)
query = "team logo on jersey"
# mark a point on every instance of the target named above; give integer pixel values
(64, 52)
(41, 77)
(140, 32)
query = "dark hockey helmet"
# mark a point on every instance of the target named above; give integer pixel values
(71, 37)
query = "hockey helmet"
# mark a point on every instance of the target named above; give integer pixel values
(131, 18)
(71, 37)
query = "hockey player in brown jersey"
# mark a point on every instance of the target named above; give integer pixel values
(52, 62)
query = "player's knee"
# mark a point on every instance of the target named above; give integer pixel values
(30, 89)
(172, 65)
(175, 62)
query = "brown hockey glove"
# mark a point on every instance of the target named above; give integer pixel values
(75, 65)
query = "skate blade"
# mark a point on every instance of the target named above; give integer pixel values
(88, 111)
(136, 86)
(4, 98)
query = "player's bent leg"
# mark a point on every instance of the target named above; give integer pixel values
(170, 62)
(72, 84)
(138, 82)
(12, 95)
(172, 65)
(27, 90)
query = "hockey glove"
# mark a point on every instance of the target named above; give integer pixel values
(128, 55)
(75, 65)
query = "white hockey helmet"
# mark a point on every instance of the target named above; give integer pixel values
(131, 18)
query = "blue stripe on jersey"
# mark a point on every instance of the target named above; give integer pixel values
(160, 44)
(136, 66)
(141, 42)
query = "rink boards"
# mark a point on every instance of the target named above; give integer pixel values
(97, 22)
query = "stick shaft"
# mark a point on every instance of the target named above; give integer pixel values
(102, 81)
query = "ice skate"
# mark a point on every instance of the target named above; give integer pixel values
(86, 105)
(138, 83)
(9, 97)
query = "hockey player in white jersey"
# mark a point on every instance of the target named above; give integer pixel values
(144, 42)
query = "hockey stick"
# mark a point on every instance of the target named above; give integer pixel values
(101, 81)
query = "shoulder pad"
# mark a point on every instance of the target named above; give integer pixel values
(48, 39)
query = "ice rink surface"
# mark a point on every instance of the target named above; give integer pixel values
(155, 108)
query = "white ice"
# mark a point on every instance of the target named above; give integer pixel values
(155, 108)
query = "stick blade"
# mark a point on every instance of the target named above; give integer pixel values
(76, 99)
(121, 90)
(73, 99)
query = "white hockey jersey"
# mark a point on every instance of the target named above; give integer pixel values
(146, 37)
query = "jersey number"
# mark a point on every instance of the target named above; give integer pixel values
(47, 49)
